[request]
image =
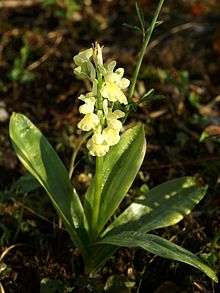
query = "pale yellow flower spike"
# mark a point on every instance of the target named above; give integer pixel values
(107, 88)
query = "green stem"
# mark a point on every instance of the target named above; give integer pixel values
(99, 86)
(97, 197)
(142, 53)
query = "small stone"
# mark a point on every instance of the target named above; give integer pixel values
(4, 116)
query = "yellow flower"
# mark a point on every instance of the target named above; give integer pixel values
(84, 66)
(97, 145)
(114, 84)
(89, 105)
(112, 119)
(89, 121)
(113, 93)
(111, 136)
(83, 57)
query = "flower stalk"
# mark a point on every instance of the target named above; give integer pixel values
(146, 41)
(97, 198)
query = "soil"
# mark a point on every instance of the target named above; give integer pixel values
(182, 65)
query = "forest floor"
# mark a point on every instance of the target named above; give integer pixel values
(38, 42)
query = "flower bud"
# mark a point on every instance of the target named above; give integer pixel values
(97, 55)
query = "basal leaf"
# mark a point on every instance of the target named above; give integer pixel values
(159, 246)
(121, 166)
(41, 160)
(98, 255)
(162, 206)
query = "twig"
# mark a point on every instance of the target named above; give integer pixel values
(17, 3)
(6, 251)
(43, 58)
(174, 30)
(1, 288)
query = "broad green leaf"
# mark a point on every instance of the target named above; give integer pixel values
(120, 168)
(162, 206)
(41, 160)
(159, 246)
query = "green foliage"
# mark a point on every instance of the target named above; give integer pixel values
(26, 183)
(47, 3)
(161, 247)
(211, 133)
(120, 168)
(146, 34)
(53, 286)
(5, 235)
(150, 211)
(19, 71)
(63, 8)
(147, 97)
(140, 15)
(211, 257)
(42, 162)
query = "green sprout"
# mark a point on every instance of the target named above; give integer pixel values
(19, 71)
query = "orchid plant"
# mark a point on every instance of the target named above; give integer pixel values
(90, 219)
